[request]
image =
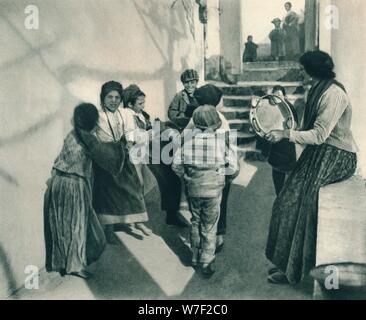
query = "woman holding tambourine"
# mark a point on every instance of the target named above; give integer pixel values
(284, 154)
(271, 112)
(329, 156)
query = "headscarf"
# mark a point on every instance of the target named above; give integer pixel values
(131, 93)
(110, 86)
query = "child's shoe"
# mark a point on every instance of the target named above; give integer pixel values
(208, 270)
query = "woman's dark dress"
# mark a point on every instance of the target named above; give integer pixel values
(119, 197)
(291, 243)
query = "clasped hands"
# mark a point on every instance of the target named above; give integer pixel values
(276, 136)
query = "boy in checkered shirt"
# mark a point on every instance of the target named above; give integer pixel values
(205, 160)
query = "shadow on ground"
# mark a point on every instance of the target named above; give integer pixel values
(154, 267)
(241, 266)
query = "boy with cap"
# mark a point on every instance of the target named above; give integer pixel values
(182, 107)
(212, 95)
(180, 113)
(277, 37)
(202, 162)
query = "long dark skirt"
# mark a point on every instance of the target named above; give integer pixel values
(119, 199)
(74, 237)
(170, 188)
(291, 244)
(170, 185)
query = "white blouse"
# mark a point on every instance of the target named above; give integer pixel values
(131, 130)
(110, 126)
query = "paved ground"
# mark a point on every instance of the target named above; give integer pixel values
(154, 267)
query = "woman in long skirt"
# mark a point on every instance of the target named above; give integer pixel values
(73, 236)
(117, 199)
(330, 156)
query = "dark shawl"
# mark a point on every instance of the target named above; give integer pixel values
(315, 93)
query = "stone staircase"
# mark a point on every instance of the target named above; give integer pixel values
(284, 71)
(256, 78)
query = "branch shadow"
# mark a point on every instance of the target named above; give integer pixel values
(118, 275)
(242, 265)
(9, 282)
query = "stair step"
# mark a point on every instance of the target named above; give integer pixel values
(271, 64)
(250, 147)
(256, 83)
(268, 69)
(232, 113)
(243, 138)
(246, 97)
(235, 121)
(234, 109)
(237, 101)
(248, 88)
(237, 97)
(271, 74)
(241, 125)
(269, 83)
(246, 135)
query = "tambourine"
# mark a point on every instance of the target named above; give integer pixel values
(270, 113)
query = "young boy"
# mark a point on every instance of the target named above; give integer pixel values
(282, 155)
(182, 107)
(180, 113)
(203, 162)
(212, 95)
(250, 51)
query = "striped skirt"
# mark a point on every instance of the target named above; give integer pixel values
(73, 235)
(292, 235)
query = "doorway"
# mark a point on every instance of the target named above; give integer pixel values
(280, 32)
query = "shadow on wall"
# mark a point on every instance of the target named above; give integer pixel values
(166, 28)
(31, 53)
(150, 16)
(161, 27)
(8, 282)
(168, 72)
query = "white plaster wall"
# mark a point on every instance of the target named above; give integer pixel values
(213, 29)
(348, 48)
(46, 72)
